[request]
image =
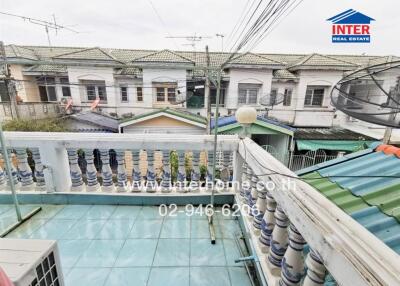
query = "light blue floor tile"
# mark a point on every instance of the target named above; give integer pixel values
(239, 276)
(177, 228)
(65, 271)
(126, 212)
(5, 208)
(210, 276)
(146, 228)
(172, 252)
(48, 211)
(100, 253)
(179, 212)
(100, 212)
(53, 229)
(203, 253)
(226, 213)
(71, 250)
(148, 212)
(72, 212)
(231, 252)
(137, 252)
(115, 229)
(169, 276)
(199, 229)
(229, 228)
(128, 277)
(87, 276)
(84, 229)
(27, 228)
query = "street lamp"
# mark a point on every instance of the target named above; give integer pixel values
(246, 115)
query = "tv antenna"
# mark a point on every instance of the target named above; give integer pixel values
(222, 40)
(270, 100)
(371, 94)
(46, 24)
(191, 39)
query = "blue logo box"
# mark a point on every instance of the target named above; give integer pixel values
(351, 39)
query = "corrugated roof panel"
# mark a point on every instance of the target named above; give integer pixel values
(385, 228)
(341, 197)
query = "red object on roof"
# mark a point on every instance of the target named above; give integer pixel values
(4, 280)
(95, 103)
(389, 149)
(69, 104)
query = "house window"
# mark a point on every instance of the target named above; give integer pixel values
(160, 91)
(314, 96)
(66, 90)
(47, 88)
(171, 95)
(273, 94)
(139, 94)
(124, 93)
(248, 93)
(287, 97)
(166, 93)
(95, 89)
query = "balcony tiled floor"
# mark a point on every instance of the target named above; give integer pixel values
(134, 245)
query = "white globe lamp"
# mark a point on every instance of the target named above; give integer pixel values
(246, 115)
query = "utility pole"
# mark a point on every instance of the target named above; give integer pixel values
(9, 84)
(207, 92)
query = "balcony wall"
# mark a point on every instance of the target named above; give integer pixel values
(284, 217)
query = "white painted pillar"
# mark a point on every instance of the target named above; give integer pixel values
(181, 176)
(106, 172)
(24, 170)
(292, 270)
(75, 171)
(91, 172)
(56, 167)
(166, 173)
(136, 175)
(316, 271)
(279, 239)
(39, 174)
(151, 175)
(252, 199)
(268, 223)
(195, 176)
(121, 173)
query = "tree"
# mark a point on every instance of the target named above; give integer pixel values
(38, 125)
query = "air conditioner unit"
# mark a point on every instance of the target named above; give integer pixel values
(30, 262)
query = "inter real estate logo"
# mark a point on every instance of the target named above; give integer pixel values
(351, 26)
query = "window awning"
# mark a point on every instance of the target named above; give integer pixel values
(337, 145)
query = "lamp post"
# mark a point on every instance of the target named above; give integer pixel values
(246, 115)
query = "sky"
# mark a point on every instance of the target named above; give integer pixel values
(135, 24)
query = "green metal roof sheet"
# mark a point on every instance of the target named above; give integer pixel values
(342, 145)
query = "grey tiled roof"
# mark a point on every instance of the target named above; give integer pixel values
(291, 61)
(284, 74)
(130, 71)
(96, 118)
(47, 68)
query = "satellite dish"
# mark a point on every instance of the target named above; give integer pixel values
(181, 97)
(371, 94)
(271, 99)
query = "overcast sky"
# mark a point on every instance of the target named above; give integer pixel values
(134, 24)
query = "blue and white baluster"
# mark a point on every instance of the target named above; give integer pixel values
(252, 197)
(151, 175)
(121, 173)
(227, 163)
(195, 176)
(259, 208)
(279, 239)
(136, 174)
(210, 164)
(91, 172)
(106, 172)
(25, 171)
(245, 186)
(267, 224)
(293, 260)
(75, 171)
(39, 174)
(166, 173)
(316, 271)
(14, 172)
(181, 175)
(2, 177)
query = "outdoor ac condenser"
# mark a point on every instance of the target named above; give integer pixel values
(29, 262)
